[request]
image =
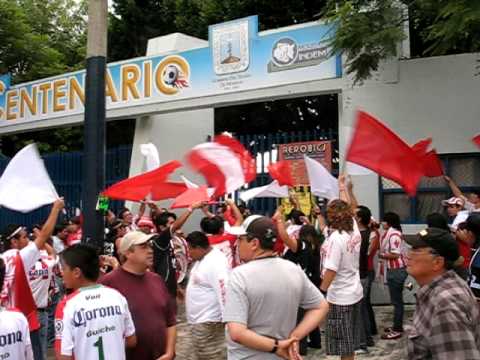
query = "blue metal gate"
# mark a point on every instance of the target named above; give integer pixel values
(65, 170)
(264, 148)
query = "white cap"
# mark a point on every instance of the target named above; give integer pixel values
(133, 238)
(454, 201)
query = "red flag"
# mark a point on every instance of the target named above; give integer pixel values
(476, 140)
(191, 196)
(421, 147)
(23, 295)
(152, 183)
(432, 166)
(377, 148)
(282, 172)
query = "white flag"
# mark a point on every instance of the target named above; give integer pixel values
(25, 184)
(272, 190)
(322, 183)
(151, 156)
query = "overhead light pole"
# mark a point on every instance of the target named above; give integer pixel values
(93, 173)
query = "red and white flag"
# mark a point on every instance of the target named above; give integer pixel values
(225, 164)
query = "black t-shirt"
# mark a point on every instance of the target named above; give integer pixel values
(308, 259)
(364, 253)
(164, 260)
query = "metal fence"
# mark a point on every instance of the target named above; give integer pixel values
(264, 148)
(65, 170)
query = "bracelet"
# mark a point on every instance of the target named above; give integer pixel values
(275, 347)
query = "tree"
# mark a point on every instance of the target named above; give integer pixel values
(41, 38)
(134, 22)
(369, 31)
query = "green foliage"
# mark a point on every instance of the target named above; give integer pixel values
(367, 33)
(456, 26)
(134, 22)
(41, 38)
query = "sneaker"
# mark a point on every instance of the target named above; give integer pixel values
(392, 335)
(390, 329)
(361, 351)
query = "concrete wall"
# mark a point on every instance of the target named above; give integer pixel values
(434, 97)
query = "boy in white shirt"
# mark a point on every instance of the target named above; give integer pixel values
(94, 321)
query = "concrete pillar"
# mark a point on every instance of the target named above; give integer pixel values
(173, 133)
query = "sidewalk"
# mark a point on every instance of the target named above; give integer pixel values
(383, 349)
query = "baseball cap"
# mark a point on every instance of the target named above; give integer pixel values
(133, 238)
(261, 227)
(473, 223)
(145, 221)
(453, 201)
(440, 240)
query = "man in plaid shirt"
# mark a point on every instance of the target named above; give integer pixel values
(446, 324)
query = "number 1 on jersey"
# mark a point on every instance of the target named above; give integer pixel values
(99, 345)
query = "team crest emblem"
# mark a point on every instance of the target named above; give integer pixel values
(230, 46)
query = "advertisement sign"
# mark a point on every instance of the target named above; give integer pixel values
(294, 152)
(238, 58)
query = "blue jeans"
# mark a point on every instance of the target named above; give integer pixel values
(395, 281)
(51, 319)
(43, 332)
(36, 346)
(366, 326)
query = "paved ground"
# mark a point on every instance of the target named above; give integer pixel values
(383, 349)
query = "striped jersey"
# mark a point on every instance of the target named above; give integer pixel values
(392, 242)
(92, 323)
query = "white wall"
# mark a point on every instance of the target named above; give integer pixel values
(436, 97)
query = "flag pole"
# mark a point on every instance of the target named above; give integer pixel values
(94, 127)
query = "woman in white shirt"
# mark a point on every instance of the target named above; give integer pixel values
(341, 280)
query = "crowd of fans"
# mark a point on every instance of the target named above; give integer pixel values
(254, 287)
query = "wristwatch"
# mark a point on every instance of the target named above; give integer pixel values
(275, 347)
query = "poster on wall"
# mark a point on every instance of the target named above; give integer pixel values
(321, 151)
(294, 153)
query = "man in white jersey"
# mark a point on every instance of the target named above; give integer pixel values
(94, 321)
(205, 297)
(40, 278)
(14, 336)
(21, 254)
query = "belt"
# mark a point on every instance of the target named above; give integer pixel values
(42, 310)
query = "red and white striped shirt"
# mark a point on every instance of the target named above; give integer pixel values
(392, 243)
